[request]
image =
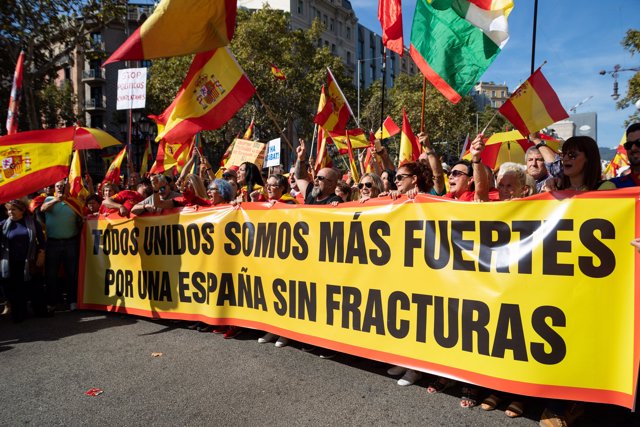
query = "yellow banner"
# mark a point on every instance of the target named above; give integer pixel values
(535, 297)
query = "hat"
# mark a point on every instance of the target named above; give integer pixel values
(233, 168)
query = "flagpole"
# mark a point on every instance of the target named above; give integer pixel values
(533, 42)
(424, 95)
(313, 139)
(492, 117)
(384, 84)
(270, 114)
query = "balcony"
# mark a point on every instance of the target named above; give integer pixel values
(95, 104)
(94, 76)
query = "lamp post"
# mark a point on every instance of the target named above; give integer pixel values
(358, 79)
(614, 73)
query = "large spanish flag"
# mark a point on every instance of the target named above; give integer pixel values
(453, 42)
(533, 105)
(180, 27)
(214, 89)
(33, 160)
(335, 113)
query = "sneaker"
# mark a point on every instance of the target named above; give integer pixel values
(396, 370)
(232, 332)
(268, 337)
(282, 342)
(410, 377)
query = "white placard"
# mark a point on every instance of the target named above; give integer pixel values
(132, 88)
(272, 157)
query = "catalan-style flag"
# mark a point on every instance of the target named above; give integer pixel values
(335, 113)
(172, 154)
(453, 42)
(214, 89)
(388, 129)
(32, 160)
(352, 161)
(533, 105)
(619, 160)
(180, 27)
(409, 146)
(113, 173)
(249, 132)
(390, 17)
(357, 139)
(14, 99)
(277, 73)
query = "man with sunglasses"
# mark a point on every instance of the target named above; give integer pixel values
(632, 146)
(468, 180)
(323, 190)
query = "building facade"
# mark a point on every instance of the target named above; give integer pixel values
(490, 94)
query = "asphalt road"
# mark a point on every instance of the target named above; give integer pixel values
(47, 366)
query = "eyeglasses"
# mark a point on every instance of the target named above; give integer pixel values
(401, 176)
(456, 173)
(365, 184)
(227, 176)
(629, 144)
(321, 178)
(572, 155)
(271, 185)
(214, 189)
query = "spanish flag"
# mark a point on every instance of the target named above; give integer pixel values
(323, 160)
(409, 147)
(357, 139)
(277, 73)
(172, 154)
(33, 160)
(335, 113)
(213, 91)
(113, 173)
(620, 159)
(533, 105)
(249, 132)
(180, 27)
(352, 161)
(388, 129)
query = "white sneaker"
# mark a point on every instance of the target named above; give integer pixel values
(282, 342)
(396, 370)
(268, 337)
(410, 377)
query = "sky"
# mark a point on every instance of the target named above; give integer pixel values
(577, 38)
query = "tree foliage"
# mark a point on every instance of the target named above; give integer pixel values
(48, 31)
(631, 43)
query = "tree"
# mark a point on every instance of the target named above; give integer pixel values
(48, 31)
(631, 42)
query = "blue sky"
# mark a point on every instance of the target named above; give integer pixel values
(577, 38)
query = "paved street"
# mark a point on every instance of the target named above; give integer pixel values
(47, 365)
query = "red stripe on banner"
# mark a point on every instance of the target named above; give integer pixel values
(130, 49)
(509, 111)
(434, 77)
(548, 96)
(33, 182)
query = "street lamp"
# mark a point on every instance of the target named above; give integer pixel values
(614, 73)
(358, 72)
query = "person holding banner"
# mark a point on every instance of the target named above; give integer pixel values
(277, 191)
(413, 178)
(160, 199)
(249, 179)
(388, 177)
(369, 187)
(125, 200)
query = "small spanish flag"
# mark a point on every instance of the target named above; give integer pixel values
(277, 73)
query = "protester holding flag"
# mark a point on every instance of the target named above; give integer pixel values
(22, 247)
(323, 190)
(63, 231)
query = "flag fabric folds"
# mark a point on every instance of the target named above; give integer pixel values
(77, 191)
(334, 115)
(390, 17)
(33, 160)
(453, 42)
(355, 175)
(214, 89)
(180, 27)
(277, 73)
(249, 132)
(14, 98)
(172, 154)
(113, 173)
(409, 146)
(620, 159)
(533, 105)
(357, 139)
(388, 129)
(323, 160)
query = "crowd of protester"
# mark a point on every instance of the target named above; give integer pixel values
(39, 238)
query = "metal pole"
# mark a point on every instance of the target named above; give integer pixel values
(384, 83)
(358, 79)
(533, 43)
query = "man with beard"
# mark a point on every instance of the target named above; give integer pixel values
(323, 191)
(633, 154)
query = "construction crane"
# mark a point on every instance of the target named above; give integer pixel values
(573, 109)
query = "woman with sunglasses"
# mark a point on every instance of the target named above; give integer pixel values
(413, 178)
(581, 166)
(369, 187)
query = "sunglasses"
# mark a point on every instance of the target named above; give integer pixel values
(365, 184)
(401, 176)
(627, 145)
(320, 177)
(456, 173)
(227, 176)
(572, 155)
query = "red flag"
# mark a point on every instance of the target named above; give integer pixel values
(33, 160)
(533, 105)
(180, 27)
(277, 73)
(214, 89)
(409, 146)
(14, 100)
(113, 173)
(335, 113)
(390, 17)
(389, 129)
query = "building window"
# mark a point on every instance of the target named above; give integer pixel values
(339, 28)
(493, 93)
(348, 33)
(325, 20)
(333, 48)
(348, 57)
(332, 25)
(300, 7)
